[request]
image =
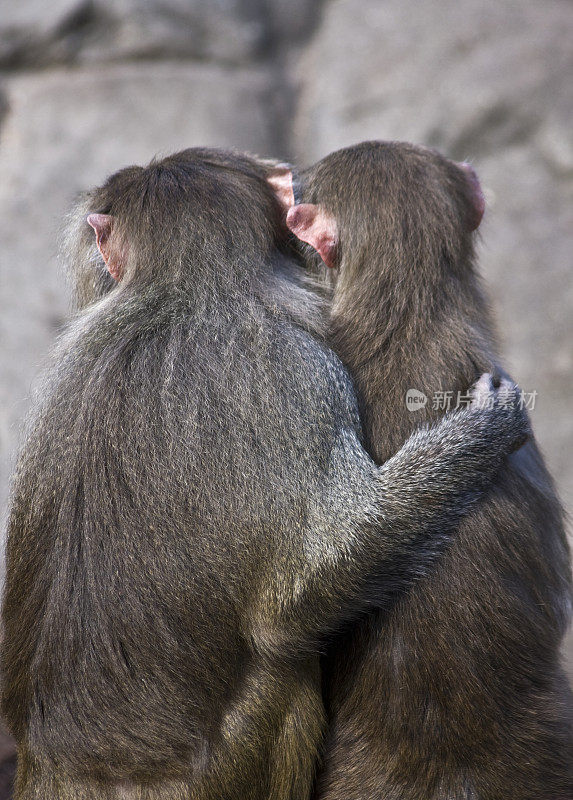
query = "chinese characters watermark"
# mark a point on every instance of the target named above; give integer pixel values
(450, 401)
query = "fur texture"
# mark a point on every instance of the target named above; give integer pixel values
(456, 692)
(193, 511)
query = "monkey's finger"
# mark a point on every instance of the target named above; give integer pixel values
(482, 392)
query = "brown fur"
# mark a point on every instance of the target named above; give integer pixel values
(456, 692)
(193, 511)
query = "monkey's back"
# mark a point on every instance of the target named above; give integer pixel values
(417, 694)
(457, 690)
(171, 464)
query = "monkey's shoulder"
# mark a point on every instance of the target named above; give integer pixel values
(308, 364)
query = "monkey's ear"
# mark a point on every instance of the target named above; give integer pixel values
(280, 179)
(113, 255)
(476, 194)
(315, 226)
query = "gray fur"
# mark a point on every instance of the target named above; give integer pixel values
(193, 510)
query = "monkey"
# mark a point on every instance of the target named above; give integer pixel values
(456, 690)
(193, 511)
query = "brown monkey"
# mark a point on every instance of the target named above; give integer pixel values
(193, 510)
(456, 691)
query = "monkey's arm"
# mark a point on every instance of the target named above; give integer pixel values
(376, 529)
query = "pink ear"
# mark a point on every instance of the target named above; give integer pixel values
(114, 258)
(315, 226)
(280, 178)
(478, 200)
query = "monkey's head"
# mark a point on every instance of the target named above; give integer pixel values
(166, 221)
(401, 208)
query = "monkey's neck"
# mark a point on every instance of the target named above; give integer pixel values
(434, 338)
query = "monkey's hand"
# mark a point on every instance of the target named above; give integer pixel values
(503, 400)
(451, 463)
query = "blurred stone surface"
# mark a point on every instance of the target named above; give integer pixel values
(471, 78)
(87, 86)
(33, 33)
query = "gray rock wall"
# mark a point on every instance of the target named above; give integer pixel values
(86, 87)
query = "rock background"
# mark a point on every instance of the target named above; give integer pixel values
(87, 87)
